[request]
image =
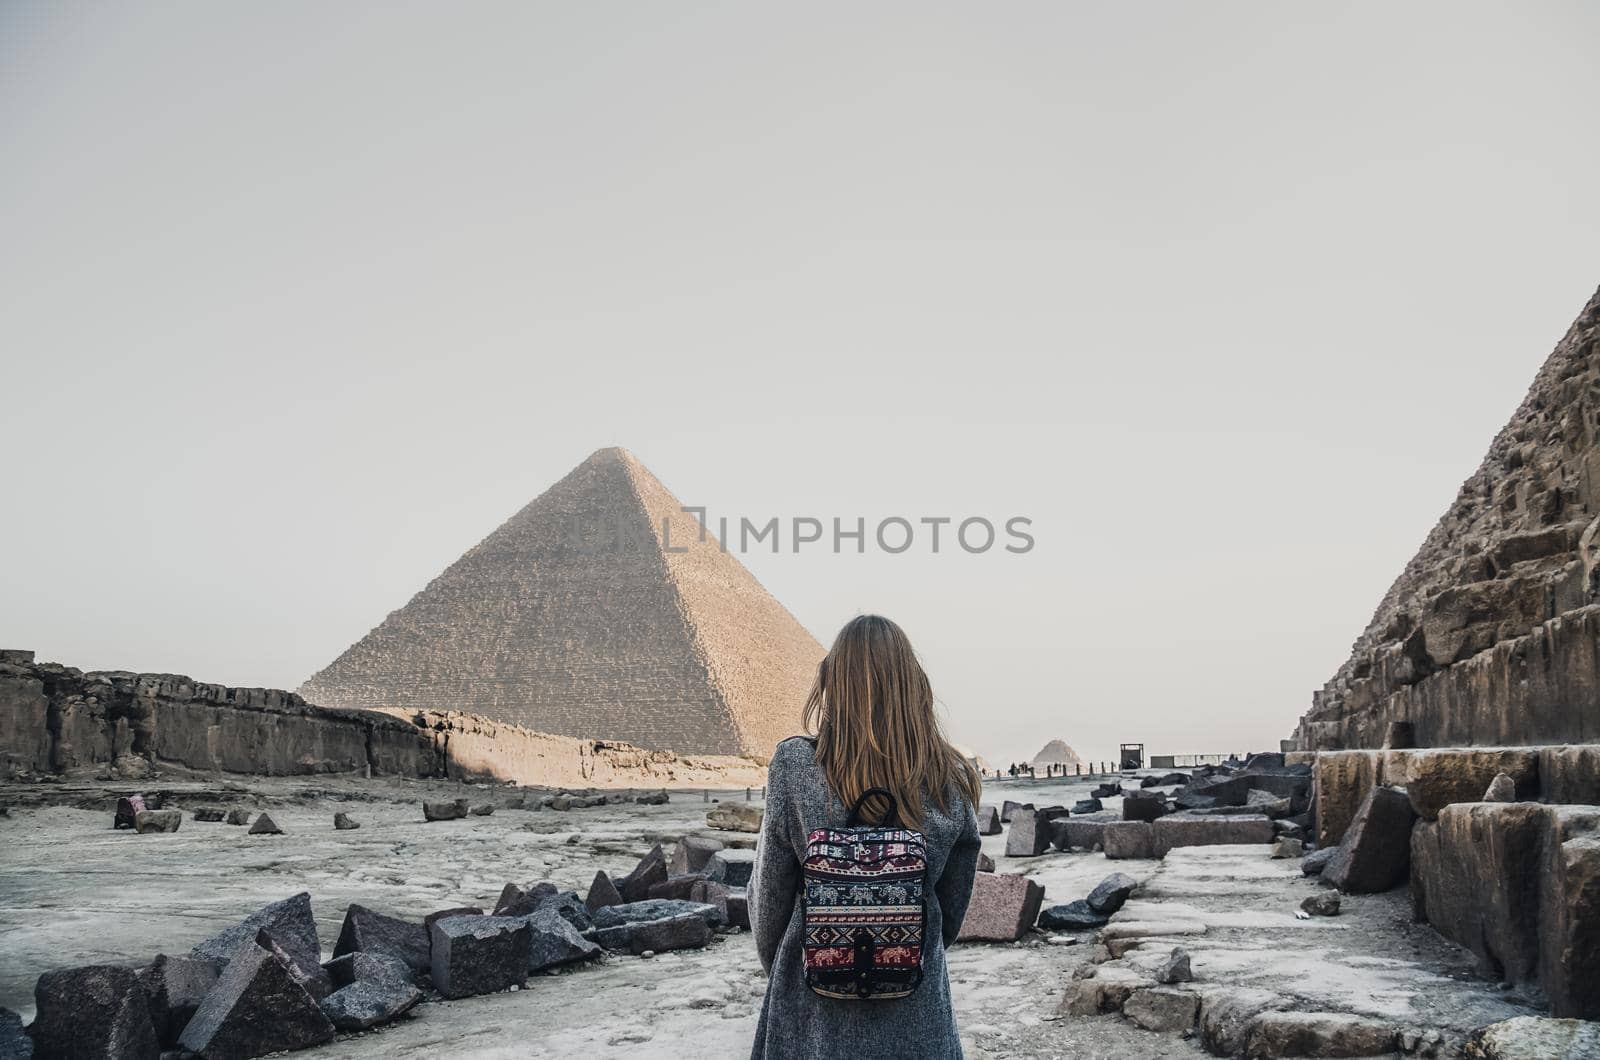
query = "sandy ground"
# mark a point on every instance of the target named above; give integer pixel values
(74, 892)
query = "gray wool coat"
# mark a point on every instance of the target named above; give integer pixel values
(798, 1023)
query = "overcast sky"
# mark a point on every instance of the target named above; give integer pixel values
(299, 301)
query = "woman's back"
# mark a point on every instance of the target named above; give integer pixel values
(795, 1021)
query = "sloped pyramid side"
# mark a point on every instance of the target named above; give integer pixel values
(1512, 552)
(581, 634)
(762, 661)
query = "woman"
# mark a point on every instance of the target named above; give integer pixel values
(872, 711)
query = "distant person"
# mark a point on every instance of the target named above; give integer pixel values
(840, 989)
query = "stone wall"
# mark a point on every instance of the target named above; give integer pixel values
(1490, 635)
(57, 719)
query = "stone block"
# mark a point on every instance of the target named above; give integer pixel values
(1008, 808)
(988, 821)
(739, 908)
(265, 825)
(1110, 893)
(479, 954)
(289, 923)
(445, 810)
(680, 888)
(14, 1041)
(1343, 779)
(1185, 830)
(1082, 806)
(1002, 908)
(1227, 1016)
(1143, 806)
(1275, 1034)
(174, 988)
(354, 967)
(1072, 916)
(1536, 1038)
(681, 932)
(734, 817)
(1077, 833)
(1376, 851)
(709, 892)
(1029, 835)
(1313, 863)
(368, 1003)
(602, 892)
(654, 909)
(367, 931)
(210, 814)
(692, 853)
(732, 867)
(1106, 990)
(238, 817)
(1165, 1009)
(343, 822)
(1570, 775)
(651, 870)
(555, 941)
(157, 821)
(1437, 778)
(1128, 839)
(96, 1011)
(257, 1007)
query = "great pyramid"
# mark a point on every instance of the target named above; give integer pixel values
(580, 617)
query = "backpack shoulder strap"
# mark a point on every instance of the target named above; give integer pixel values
(855, 811)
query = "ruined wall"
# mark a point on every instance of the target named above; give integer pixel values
(56, 719)
(1488, 635)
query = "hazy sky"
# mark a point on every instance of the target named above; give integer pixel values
(299, 301)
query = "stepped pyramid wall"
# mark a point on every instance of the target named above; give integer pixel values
(573, 618)
(1491, 634)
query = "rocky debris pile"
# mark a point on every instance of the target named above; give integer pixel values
(1093, 911)
(261, 986)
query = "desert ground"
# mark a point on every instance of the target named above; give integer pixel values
(74, 892)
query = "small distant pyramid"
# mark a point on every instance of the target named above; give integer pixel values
(580, 616)
(1056, 753)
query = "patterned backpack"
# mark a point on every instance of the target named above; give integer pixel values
(864, 909)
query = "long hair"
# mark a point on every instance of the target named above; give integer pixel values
(871, 710)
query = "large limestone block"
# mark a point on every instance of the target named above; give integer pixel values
(1536, 1038)
(1570, 928)
(1444, 776)
(1182, 830)
(1376, 851)
(1275, 1034)
(1127, 839)
(24, 730)
(1570, 775)
(1343, 779)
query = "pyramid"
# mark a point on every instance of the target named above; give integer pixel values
(580, 616)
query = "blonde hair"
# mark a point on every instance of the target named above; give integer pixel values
(871, 710)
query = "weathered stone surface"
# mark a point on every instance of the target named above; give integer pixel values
(1438, 778)
(568, 906)
(708, 892)
(1166, 1009)
(157, 821)
(692, 853)
(291, 926)
(988, 821)
(445, 810)
(699, 658)
(257, 1007)
(479, 954)
(602, 892)
(1569, 958)
(651, 870)
(343, 822)
(96, 1011)
(174, 988)
(367, 931)
(14, 1041)
(734, 817)
(1128, 839)
(1082, 806)
(1143, 806)
(689, 930)
(209, 814)
(238, 817)
(482, 809)
(1185, 830)
(678, 887)
(1286, 847)
(985, 862)
(1275, 1034)
(1570, 776)
(1110, 893)
(1107, 989)
(653, 909)
(1501, 789)
(1325, 903)
(1376, 851)
(1002, 908)
(265, 825)
(1226, 1017)
(1072, 916)
(354, 967)
(1029, 835)
(1008, 808)
(556, 941)
(732, 867)
(1078, 833)
(514, 901)
(1223, 791)
(369, 1002)
(440, 914)
(1536, 1038)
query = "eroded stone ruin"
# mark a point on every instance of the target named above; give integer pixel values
(600, 610)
